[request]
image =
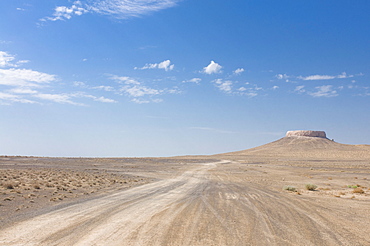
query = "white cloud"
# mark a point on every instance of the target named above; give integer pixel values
(324, 91)
(225, 86)
(79, 84)
(66, 13)
(166, 65)
(24, 77)
(238, 71)
(326, 77)
(6, 59)
(120, 9)
(275, 87)
(282, 76)
(193, 80)
(213, 67)
(104, 100)
(344, 75)
(317, 77)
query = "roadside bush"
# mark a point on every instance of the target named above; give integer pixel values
(311, 187)
(289, 188)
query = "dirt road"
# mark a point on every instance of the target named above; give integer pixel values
(209, 204)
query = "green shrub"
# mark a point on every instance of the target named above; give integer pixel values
(289, 188)
(311, 187)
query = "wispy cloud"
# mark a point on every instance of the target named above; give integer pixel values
(24, 77)
(95, 98)
(28, 86)
(213, 67)
(6, 60)
(250, 91)
(287, 78)
(104, 88)
(139, 92)
(193, 80)
(326, 77)
(9, 98)
(299, 89)
(324, 91)
(166, 65)
(22, 90)
(225, 86)
(120, 9)
(58, 98)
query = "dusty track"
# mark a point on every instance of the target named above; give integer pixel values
(208, 204)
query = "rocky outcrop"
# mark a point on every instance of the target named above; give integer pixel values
(317, 134)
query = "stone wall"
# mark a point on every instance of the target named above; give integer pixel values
(318, 134)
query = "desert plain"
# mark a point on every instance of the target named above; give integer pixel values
(294, 191)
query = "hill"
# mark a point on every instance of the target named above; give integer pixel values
(304, 147)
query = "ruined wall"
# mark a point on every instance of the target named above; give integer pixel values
(318, 134)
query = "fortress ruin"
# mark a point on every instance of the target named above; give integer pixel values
(301, 133)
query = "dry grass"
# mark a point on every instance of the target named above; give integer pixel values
(358, 190)
(36, 187)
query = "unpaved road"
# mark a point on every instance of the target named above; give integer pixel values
(208, 204)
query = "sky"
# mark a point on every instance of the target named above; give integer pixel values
(125, 78)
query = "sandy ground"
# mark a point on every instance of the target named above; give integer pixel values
(230, 199)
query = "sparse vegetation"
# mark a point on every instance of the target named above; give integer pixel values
(311, 186)
(358, 190)
(352, 186)
(8, 185)
(290, 188)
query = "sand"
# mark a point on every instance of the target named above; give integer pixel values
(239, 198)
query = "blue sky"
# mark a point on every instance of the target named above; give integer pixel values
(177, 77)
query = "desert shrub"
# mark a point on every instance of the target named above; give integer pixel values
(8, 185)
(311, 187)
(358, 190)
(289, 188)
(352, 186)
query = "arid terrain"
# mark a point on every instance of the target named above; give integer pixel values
(294, 191)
